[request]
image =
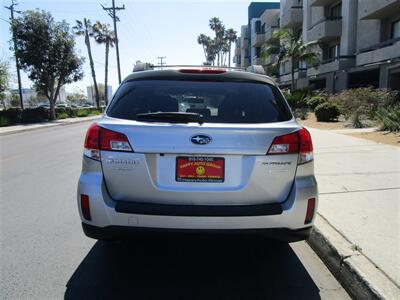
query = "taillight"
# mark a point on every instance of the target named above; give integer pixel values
(99, 138)
(296, 142)
(306, 147)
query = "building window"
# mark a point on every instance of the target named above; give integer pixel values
(258, 26)
(258, 52)
(333, 52)
(263, 28)
(335, 11)
(395, 30)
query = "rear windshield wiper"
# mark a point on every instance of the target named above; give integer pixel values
(172, 117)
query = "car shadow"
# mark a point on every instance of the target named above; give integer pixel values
(200, 267)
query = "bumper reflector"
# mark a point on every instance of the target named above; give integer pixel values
(310, 210)
(85, 207)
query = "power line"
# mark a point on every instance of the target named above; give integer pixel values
(11, 8)
(112, 13)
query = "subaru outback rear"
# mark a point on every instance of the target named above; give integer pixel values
(197, 149)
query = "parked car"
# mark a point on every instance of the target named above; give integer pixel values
(235, 162)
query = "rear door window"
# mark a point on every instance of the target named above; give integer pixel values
(217, 102)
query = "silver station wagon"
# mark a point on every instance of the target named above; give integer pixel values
(201, 150)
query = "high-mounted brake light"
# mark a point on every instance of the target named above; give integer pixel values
(99, 138)
(296, 142)
(202, 71)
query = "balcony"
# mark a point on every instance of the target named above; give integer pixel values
(332, 65)
(378, 9)
(379, 52)
(268, 35)
(271, 59)
(292, 17)
(245, 62)
(326, 29)
(238, 51)
(257, 60)
(257, 39)
(321, 2)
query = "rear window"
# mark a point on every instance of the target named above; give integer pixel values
(218, 102)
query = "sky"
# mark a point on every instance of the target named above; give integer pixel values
(147, 29)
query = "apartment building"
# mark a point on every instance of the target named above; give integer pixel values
(250, 49)
(359, 42)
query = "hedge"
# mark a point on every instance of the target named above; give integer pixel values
(13, 116)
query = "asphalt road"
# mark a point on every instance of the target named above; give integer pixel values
(44, 254)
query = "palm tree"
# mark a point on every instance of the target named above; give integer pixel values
(205, 41)
(104, 35)
(219, 29)
(85, 29)
(231, 36)
(287, 45)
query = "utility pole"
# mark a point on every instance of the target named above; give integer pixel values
(112, 13)
(161, 60)
(11, 8)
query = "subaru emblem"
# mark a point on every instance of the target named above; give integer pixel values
(201, 139)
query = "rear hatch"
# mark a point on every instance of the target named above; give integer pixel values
(198, 142)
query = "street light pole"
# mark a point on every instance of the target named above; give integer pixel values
(111, 12)
(161, 60)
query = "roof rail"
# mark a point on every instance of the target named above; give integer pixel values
(199, 66)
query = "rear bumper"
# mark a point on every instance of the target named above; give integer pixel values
(126, 232)
(111, 215)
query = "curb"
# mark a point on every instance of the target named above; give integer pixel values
(44, 125)
(358, 275)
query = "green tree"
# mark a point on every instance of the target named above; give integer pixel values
(4, 78)
(85, 29)
(288, 45)
(104, 35)
(46, 51)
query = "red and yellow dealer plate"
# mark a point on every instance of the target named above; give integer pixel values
(200, 169)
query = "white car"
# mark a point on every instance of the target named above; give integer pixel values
(236, 162)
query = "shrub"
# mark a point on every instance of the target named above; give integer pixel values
(389, 118)
(364, 101)
(32, 115)
(314, 101)
(296, 99)
(327, 112)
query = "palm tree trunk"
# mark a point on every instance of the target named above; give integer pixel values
(106, 73)
(230, 48)
(96, 90)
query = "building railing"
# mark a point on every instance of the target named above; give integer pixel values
(380, 45)
(336, 58)
(331, 18)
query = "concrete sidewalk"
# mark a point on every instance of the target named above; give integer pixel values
(26, 127)
(359, 185)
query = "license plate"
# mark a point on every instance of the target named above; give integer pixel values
(200, 169)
